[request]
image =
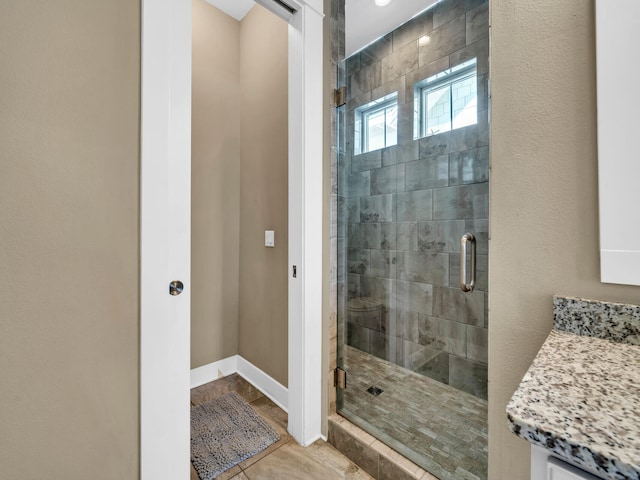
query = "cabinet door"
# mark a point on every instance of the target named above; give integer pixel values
(558, 470)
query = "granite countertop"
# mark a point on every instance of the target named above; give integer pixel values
(580, 398)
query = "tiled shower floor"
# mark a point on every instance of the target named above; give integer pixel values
(438, 427)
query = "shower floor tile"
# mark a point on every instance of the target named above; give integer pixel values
(440, 428)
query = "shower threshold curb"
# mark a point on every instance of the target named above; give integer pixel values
(370, 454)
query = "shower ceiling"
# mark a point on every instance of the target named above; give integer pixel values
(365, 21)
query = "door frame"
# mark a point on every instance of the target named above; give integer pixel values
(165, 231)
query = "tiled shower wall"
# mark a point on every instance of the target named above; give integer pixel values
(403, 209)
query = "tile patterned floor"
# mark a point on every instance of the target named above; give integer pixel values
(285, 458)
(438, 427)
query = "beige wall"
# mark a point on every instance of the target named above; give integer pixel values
(239, 188)
(215, 185)
(544, 205)
(69, 214)
(263, 192)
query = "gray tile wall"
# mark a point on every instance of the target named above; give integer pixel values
(402, 210)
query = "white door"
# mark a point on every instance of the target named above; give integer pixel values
(165, 239)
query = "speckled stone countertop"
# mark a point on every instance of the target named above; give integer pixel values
(581, 396)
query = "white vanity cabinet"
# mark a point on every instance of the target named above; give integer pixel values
(544, 466)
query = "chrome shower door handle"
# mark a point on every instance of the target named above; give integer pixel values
(467, 239)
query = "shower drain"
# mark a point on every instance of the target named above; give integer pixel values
(375, 391)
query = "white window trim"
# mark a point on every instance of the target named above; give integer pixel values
(424, 87)
(361, 132)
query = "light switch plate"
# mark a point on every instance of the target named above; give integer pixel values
(269, 239)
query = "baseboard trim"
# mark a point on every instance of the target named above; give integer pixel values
(315, 439)
(272, 389)
(263, 382)
(213, 371)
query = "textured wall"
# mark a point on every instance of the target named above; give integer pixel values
(264, 192)
(69, 216)
(544, 203)
(215, 185)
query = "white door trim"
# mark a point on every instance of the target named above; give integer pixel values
(165, 231)
(305, 223)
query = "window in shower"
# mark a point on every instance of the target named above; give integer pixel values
(447, 100)
(376, 124)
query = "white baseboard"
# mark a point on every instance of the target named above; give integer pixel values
(263, 382)
(213, 371)
(315, 439)
(275, 391)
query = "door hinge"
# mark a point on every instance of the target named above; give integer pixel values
(339, 96)
(340, 378)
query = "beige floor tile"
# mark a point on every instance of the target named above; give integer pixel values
(285, 459)
(233, 472)
(267, 451)
(240, 476)
(277, 418)
(269, 410)
(319, 461)
(222, 386)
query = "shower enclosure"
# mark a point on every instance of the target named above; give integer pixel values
(413, 178)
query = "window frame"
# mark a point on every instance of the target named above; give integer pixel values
(364, 112)
(446, 78)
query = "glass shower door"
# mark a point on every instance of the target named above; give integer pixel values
(413, 180)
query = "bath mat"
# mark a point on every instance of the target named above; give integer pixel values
(224, 432)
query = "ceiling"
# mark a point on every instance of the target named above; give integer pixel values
(234, 8)
(364, 21)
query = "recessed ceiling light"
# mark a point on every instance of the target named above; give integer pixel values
(382, 3)
(424, 40)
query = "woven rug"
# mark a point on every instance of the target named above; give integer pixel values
(224, 432)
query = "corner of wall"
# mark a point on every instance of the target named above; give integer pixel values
(263, 313)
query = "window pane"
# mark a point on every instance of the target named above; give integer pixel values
(438, 118)
(375, 123)
(447, 100)
(464, 99)
(392, 125)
